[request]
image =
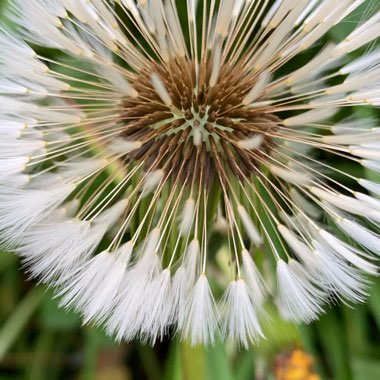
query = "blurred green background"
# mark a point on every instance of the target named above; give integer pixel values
(39, 341)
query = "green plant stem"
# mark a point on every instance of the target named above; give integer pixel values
(40, 362)
(18, 319)
(193, 362)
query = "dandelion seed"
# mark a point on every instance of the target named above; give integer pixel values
(148, 138)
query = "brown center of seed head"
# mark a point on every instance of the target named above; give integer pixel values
(206, 131)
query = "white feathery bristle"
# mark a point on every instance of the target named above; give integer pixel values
(159, 18)
(369, 154)
(319, 14)
(304, 204)
(15, 46)
(345, 251)
(368, 200)
(281, 31)
(105, 12)
(368, 95)
(152, 180)
(371, 164)
(84, 288)
(117, 80)
(294, 221)
(45, 27)
(325, 101)
(337, 276)
(295, 147)
(131, 6)
(157, 309)
(370, 186)
(240, 323)
(298, 298)
(10, 167)
(258, 88)
(216, 65)
(104, 298)
(146, 16)
(45, 180)
(354, 126)
(310, 117)
(121, 146)
(12, 88)
(346, 203)
(221, 225)
(361, 63)
(225, 15)
(109, 216)
(59, 254)
(192, 5)
(306, 11)
(298, 178)
(353, 6)
(184, 280)
(301, 249)
(56, 257)
(251, 143)
(325, 24)
(271, 12)
(174, 25)
(346, 139)
(313, 67)
(17, 181)
(67, 210)
(250, 228)
(197, 136)
(187, 217)
(375, 142)
(128, 315)
(355, 82)
(19, 147)
(237, 8)
(12, 129)
(254, 280)
(161, 90)
(76, 169)
(71, 208)
(361, 35)
(279, 13)
(151, 244)
(200, 323)
(21, 208)
(71, 116)
(181, 293)
(192, 262)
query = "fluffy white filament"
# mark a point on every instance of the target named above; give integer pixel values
(241, 322)
(161, 90)
(299, 299)
(20, 208)
(251, 143)
(250, 228)
(254, 280)
(201, 319)
(94, 289)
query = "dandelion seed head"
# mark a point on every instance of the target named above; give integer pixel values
(209, 124)
(162, 150)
